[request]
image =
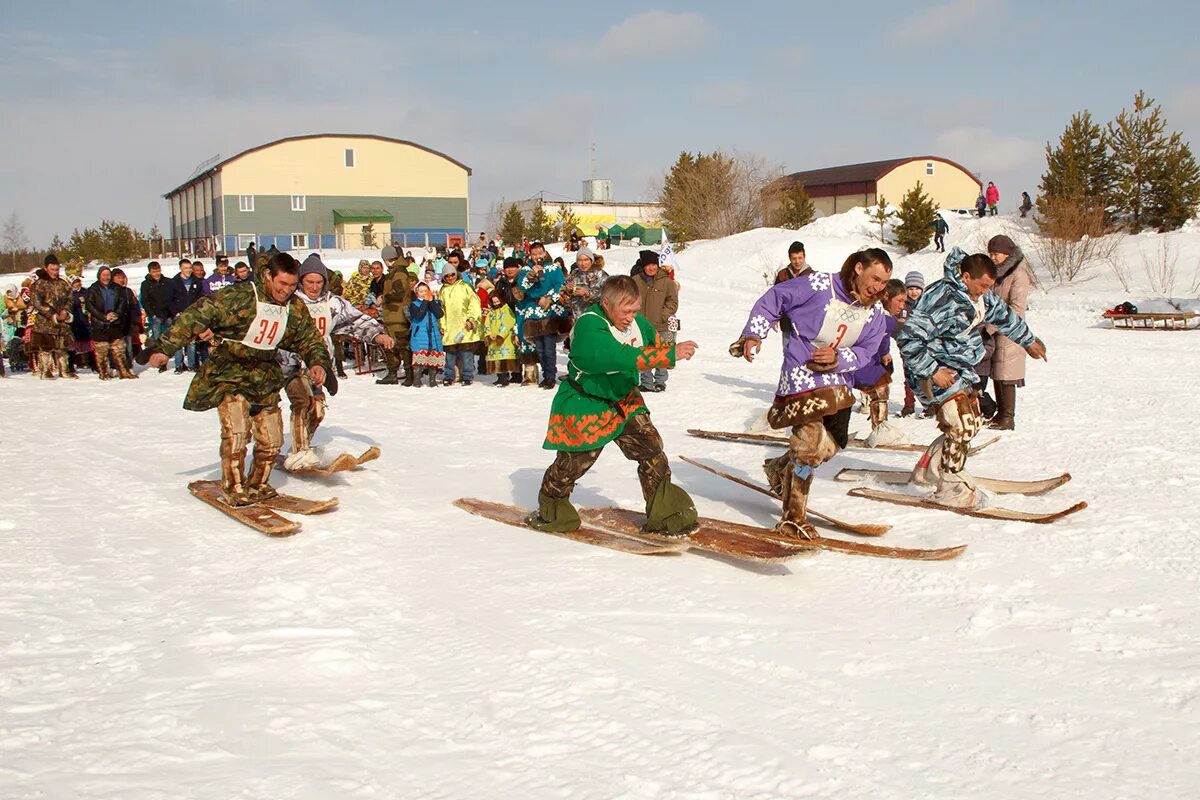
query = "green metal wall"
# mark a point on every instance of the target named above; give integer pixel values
(273, 213)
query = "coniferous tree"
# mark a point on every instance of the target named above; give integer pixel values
(791, 208)
(539, 228)
(567, 222)
(512, 229)
(1138, 143)
(915, 215)
(881, 215)
(1078, 169)
(1174, 190)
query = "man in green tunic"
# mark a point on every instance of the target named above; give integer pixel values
(241, 378)
(599, 402)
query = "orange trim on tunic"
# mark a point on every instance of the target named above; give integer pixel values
(578, 431)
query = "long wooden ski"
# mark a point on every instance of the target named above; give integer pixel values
(256, 516)
(735, 544)
(515, 516)
(898, 477)
(856, 442)
(622, 520)
(1007, 514)
(862, 529)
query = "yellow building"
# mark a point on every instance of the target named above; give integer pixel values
(324, 191)
(837, 189)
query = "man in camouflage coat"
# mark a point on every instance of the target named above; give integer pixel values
(397, 294)
(50, 298)
(242, 378)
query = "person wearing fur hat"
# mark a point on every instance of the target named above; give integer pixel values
(50, 299)
(1005, 364)
(584, 282)
(599, 402)
(333, 316)
(941, 343)
(425, 335)
(499, 330)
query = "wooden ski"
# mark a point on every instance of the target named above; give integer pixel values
(856, 442)
(719, 529)
(897, 477)
(1006, 514)
(710, 538)
(862, 529)
(256, 516)
(515, 516)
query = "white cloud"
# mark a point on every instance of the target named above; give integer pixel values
(984, 151)
(724, 93)
(939, 21)
(652, 33)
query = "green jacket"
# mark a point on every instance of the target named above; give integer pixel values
(233, 368)
(600, 393)
(397, 294)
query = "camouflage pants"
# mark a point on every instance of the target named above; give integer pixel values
(240, 421)
(639, 442)
(944, 462)
(401, 354)
(308, 409)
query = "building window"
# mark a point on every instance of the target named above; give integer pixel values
(928, 167)
(298, 202)
(245, 202)
(349, 156)
(299, 241)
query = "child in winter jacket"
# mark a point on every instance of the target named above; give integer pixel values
(425, 335)
(499, 327)
(914, 286)
(875, 379)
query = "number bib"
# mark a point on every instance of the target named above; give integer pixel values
(268, 326)
(843, 324)
(322, 316)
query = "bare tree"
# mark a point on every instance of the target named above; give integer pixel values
(713, 195)
(13, 234)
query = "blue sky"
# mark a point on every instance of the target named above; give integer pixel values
(107, 105)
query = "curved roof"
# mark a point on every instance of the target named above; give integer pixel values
(861, 173)
(217, 167)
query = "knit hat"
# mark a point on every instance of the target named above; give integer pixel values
(585, 252)
(389, 253)
(311, 265)
(648, 257)
(362, 262)
(914, 278)
(1001, 244)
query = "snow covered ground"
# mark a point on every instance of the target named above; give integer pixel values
(399, 648)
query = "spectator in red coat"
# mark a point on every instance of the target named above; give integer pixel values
(992, 195)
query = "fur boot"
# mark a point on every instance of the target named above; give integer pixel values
(102, 360)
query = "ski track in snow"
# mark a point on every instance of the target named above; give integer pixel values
(398, 647)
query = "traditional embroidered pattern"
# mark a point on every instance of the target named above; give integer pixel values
(576, 431)
(820, 281)
(654, 357)
(759, 326)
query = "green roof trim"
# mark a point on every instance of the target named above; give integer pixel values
(361, 215)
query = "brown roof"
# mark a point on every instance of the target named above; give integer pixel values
(217, 167)
(869, 171)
